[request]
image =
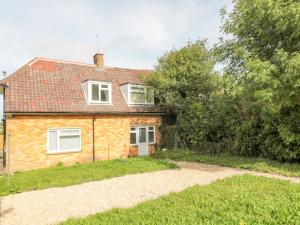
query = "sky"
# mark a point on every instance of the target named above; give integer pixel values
(132, 33)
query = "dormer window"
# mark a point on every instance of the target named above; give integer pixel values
(99, 92)
(140, 94)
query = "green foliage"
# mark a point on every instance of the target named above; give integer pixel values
(185, 80)
(237, 200)
(168, 136)
(253, 108)
(266, 52)
(182, 75)
(60, 176)
(250, 163)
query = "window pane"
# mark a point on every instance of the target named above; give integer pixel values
(69, 142)
(151, 136)
(52, 140)
(150, 95)
(137, 97)
(132, 138)
(137, 89)
(104, 85)
(104, 96)
(69, 132)
(151, 128)
(142, 135)
(133, 129)
(95, 92)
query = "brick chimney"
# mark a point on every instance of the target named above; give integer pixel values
(99, 60)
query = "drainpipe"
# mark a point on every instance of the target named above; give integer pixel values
(94, 139)
(4, 125)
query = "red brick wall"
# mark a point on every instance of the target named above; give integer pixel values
(112, 135)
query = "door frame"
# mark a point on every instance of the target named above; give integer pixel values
(141, 144)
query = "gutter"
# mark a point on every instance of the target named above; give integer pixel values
(87, 113)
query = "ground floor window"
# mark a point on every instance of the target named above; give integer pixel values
(63, 140)
(141, 134)
(151, 135)
(133, 134)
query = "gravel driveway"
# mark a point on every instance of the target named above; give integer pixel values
(54, 205)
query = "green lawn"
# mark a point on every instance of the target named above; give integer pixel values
(238, 200)
(60, 176)
(252, 163)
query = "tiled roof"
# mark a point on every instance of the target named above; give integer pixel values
(53, 86)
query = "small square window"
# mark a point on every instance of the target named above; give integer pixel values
(64, 140)
(140, 94)
(99, 92)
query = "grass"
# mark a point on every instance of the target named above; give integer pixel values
(238, 200)
(251, 163)
(61, 176)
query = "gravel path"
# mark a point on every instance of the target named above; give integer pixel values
(54, 205)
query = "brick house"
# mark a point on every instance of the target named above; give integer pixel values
(59, 111)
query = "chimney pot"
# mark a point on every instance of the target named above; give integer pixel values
(4, 73)
(99, 60)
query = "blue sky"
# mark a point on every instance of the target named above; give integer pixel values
(131, 33)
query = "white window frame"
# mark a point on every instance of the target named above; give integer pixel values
(58, 130)
(99, 83)
(136, 136)
(145, 92)
(147, 134)
(154, 135)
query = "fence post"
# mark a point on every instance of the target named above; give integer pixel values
(107, 151)
(8, 158)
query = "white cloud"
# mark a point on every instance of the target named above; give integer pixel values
(132, 33)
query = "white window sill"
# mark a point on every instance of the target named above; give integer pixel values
(63, 152)
(136, 145)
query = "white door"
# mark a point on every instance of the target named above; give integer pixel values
(142, 141)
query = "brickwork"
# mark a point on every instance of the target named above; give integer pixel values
(1, 142)
(112, 135)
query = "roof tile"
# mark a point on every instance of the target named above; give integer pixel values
(45, 85)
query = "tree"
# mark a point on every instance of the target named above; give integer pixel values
(254, 107)
(264, 55)
(185, 80)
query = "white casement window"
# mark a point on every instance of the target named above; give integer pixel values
(63, 140)
(151, 135)
(99, 92)
(135, 135)
(139, 94)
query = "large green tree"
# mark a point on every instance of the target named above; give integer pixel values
(253, 108)
(186, 82)
(264, 56)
